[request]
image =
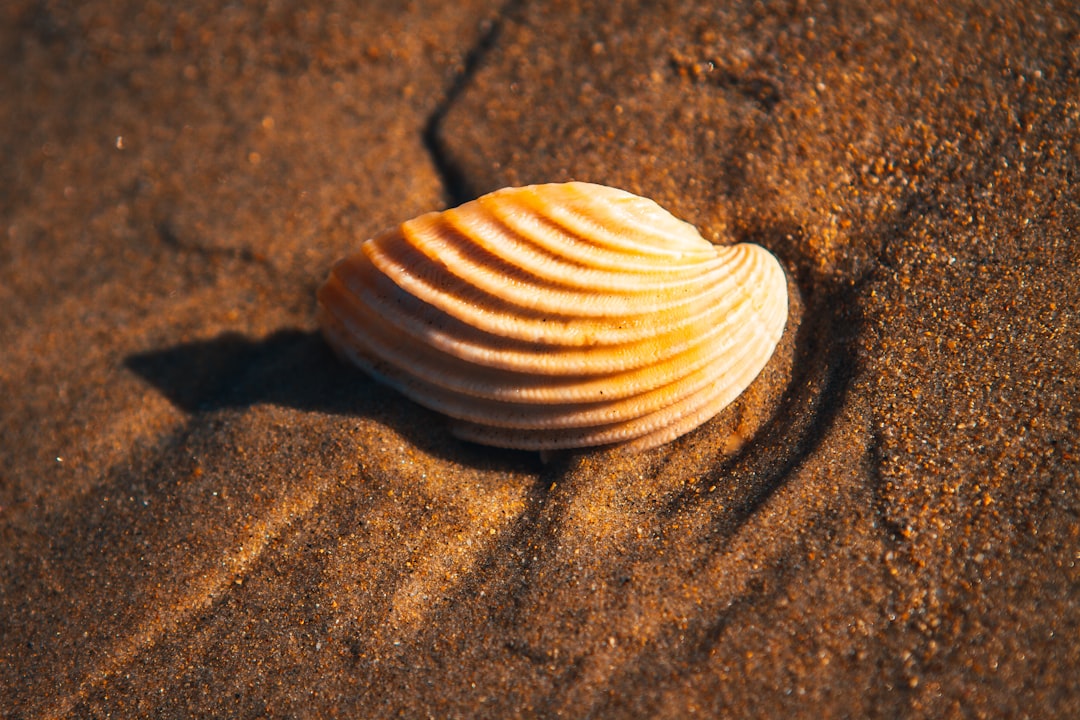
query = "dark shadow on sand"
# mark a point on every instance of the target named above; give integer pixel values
(297, 369)
(290, 367)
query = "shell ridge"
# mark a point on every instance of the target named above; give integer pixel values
(440, 286)
(576, 221)
(523, 219)
(658, 351)
(624, 214)
(427, 321)
(439, 370)
(514, 413)
(481, 346)
(525, 249)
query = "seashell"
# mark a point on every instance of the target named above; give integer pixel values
(558, 316)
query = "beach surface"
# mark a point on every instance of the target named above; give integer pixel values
(203, 512)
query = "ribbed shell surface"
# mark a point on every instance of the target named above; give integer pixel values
(555, 316)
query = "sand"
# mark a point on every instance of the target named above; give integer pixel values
(204, 513)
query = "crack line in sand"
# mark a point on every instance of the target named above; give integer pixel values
(456, 186)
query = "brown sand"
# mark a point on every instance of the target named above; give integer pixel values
(204, 513)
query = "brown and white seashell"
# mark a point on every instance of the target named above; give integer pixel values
(558, 316)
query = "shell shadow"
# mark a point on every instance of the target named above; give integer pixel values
(296, 369)
(289, 367)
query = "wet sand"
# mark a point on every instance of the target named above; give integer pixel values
(203, 512)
